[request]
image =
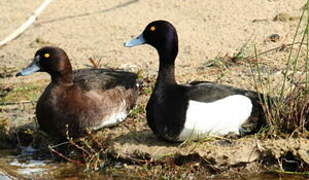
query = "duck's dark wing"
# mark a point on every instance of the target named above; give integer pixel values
(89, 79)
(205, 91)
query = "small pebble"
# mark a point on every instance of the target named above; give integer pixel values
(274, 37)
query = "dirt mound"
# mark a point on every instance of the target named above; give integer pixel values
(220, 154)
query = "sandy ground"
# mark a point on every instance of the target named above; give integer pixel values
(207, 29)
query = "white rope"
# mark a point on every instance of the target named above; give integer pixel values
(24, 26)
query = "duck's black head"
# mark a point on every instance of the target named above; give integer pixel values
(52, 60)
(161, 35)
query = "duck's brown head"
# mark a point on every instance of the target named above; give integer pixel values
(52, 60)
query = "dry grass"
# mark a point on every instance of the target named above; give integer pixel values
(290, 116)
(289, 112)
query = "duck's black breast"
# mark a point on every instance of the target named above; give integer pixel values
(95, 96)
(166, 111)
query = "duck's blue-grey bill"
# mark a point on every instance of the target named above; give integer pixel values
(136, 41)
(31, 68)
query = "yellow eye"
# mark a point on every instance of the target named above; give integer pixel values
(46, 55)
(152, 28)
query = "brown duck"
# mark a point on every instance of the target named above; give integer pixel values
(77, 101)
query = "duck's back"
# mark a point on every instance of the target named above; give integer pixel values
(102, 79)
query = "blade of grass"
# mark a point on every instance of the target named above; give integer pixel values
(290, 55)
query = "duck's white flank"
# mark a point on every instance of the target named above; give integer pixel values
(118, 115)
(216, 118)
(114, 119)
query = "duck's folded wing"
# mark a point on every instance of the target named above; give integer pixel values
(204, 91)
(89, 79)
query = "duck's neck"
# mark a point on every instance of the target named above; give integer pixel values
(63, 78)
(167, 66)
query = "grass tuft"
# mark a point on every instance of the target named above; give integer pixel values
(288, 112)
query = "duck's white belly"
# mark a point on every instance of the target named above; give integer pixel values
(216, 118)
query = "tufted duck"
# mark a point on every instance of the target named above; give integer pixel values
(192, 111)
(77, 101)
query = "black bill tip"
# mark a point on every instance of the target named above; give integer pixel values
(18, 74)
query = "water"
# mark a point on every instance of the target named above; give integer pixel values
(23, 165)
